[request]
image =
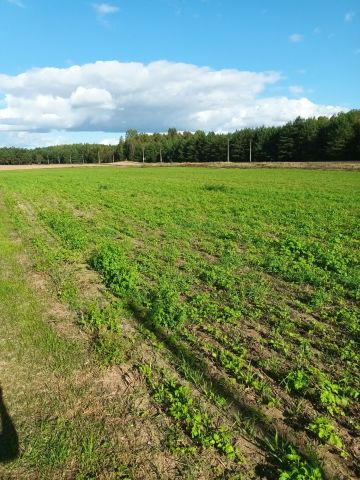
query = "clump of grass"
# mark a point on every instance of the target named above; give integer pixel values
(165, 308)
(217, 187)
(65, 226)
(104, 325)
(119, 273)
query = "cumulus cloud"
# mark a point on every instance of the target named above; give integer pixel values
(104, 9)
(295, 38)
(113, 97)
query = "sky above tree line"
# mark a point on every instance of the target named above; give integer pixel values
(82, 71)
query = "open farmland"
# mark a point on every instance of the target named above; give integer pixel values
(181, 322)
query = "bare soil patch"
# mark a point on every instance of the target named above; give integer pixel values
(65, 165)
(296, 165)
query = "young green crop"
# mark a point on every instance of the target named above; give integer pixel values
(325, 431)
(180, 405)
(252, 274)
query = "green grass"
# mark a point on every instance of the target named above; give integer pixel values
(254, 273)
(40, 382)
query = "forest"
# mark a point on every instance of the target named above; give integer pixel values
(313, 139)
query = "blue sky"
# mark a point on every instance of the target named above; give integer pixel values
(302, 57)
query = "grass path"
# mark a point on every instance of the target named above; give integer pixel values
(32, 355)
(44, 379)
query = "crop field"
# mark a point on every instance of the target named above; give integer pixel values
(191, 323)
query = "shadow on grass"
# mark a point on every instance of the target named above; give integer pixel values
(183, 353)
(9, 440)
(267, 438)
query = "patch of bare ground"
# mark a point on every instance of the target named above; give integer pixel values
(297, 165)
(211, 464)
(88, 283)
(66, 165)
(145, 433)
(58, 314)
(138, 433)
(252, 165)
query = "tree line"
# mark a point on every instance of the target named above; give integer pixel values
(312, 139)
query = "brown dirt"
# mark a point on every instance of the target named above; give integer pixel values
(65, 165)
(296, 165)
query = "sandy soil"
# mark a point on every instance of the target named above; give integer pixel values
(300, 165)
(66, 165)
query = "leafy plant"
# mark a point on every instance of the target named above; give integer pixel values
(217, 187)
(66, 227)
(291, 465)
(164, 305)
(297, 381)
(178, 402)
(332, 397)
(108, 347)
(296, 468)
(97, 318)
(244, 373)
(105, 327)
(119, 274)
(325, 431)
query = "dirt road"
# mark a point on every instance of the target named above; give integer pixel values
(304, 165)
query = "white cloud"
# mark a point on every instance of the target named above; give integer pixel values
(30, 139)
(349, 16)
(113, 97)
(18, 3)
(103, 9)
(295, 38)
(296, 89)
(91, 97)
(110, 141)
(317, 30)
(56, 137)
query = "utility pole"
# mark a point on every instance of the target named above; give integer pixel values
(250, 150)
(143, 152)
(113, 158)
(161, 156)
(98, 156)
(228, 149)
(70, 158)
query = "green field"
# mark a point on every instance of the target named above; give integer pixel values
(181, 323)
